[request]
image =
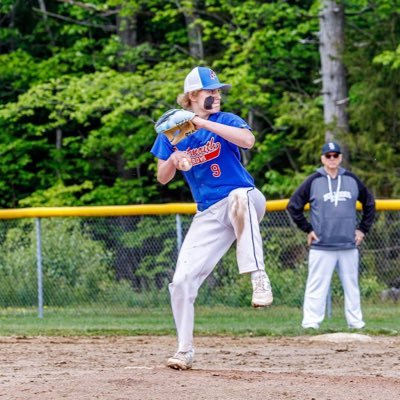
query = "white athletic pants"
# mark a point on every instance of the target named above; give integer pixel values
(210, 236)
(321, 266)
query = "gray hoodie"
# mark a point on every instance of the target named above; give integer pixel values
(333, 215)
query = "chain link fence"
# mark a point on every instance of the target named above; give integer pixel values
(128, 261)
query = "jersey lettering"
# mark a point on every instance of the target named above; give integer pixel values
(202, 154)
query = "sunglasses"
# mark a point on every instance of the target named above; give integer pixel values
(334, 155)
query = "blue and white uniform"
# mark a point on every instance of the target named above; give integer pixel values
(219, 183)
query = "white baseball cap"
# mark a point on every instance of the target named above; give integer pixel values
(203, 78)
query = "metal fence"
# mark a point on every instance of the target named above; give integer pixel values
(99, 257)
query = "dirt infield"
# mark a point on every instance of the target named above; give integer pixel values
(111, 368)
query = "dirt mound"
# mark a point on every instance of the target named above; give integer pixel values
(225, 368)
(341, 337)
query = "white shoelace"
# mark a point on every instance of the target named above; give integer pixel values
(261, 283)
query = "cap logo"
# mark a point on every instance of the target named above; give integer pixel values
(213, 75)
(332, 146)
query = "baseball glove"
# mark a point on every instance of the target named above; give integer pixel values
(176, 124)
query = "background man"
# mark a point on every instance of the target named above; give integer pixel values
(333, 235)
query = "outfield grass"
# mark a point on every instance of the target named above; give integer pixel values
(218, 320)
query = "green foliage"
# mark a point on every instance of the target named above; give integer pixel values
(56, 196)
(81, 89)
(389, 58)
(283, 185)
(370, 288)
(71, 261)
(384, 237)
(157, 246)
(374, 96)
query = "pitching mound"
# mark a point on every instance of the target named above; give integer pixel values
(225, 368)
(341, 337)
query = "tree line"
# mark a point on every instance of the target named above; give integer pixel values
(82, 82)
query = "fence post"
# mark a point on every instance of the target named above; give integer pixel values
(329, 303)
(178, 232)
(329, 298)
(39, 266)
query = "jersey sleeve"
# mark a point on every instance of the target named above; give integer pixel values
(232, 120)
(162, 148)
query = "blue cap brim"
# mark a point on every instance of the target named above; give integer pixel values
(217, 86)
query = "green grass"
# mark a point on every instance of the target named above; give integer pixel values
(216, 321)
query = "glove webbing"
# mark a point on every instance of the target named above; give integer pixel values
(180, 132)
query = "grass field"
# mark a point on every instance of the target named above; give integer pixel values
(383, 319)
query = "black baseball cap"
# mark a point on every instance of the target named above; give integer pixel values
(331, 147)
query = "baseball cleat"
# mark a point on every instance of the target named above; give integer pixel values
(310, 326)
(360, 325)
(181, 360)
(262, 292)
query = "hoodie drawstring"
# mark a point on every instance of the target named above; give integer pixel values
(337, 189)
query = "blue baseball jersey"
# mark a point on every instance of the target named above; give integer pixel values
(217, 167)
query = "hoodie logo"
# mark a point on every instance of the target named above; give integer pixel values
(343, 195)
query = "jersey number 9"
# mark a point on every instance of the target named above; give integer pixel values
(216, 171)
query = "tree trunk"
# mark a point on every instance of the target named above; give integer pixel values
(333, 71)
(42, 6)
(127, 31)
(196, 49)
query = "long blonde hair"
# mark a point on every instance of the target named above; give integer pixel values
(184, 99)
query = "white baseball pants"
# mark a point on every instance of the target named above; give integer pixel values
(210, 236)
(321, 266)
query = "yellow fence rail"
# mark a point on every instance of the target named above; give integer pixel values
(148, 209)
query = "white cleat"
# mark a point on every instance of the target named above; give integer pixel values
(181, 360)
(262, 292)
(310, 326)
